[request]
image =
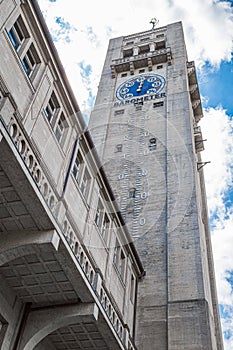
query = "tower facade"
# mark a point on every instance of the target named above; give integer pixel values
(145, 128)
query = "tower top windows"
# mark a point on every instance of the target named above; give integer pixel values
(160, 36)
(160, 45)
(144, 49)
(128, 53)
(145, 39)
(129, 43)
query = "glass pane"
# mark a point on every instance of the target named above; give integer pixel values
(58, 134)
(48, 113)
(13, 38)
(26, 66)
(31, 58)
(19, 32)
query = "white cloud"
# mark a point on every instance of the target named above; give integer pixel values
(208, 27)
(222, 241)
(218, 129)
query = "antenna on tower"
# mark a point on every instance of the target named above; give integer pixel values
(154, 22)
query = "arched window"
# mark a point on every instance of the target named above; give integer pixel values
(119, 147)
(132, 192)
(152, 144)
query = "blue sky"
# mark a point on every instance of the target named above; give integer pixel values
(217, 84)
(81, 36)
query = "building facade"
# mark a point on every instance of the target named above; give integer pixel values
(146, 132)
(68, 269)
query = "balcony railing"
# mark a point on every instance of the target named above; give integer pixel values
(91, 272)
(199, 142)
(194, 91)
(141, 60)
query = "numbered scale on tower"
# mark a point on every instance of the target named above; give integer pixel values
(138, 144)
(134, 177)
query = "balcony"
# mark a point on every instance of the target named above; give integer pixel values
(140, 61)
(44, 263)
(199, 142)
(194, 91)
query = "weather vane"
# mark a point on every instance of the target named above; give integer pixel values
(154, 22)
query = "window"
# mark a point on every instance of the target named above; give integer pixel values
(116, 253)
(160, 66)
(119, 112)
(160, 45)
(20, 38)
(129, 43)
(51, 108)
(158, 104)
(18, 33)
(141, 70)
(119, 259)
(81, 175)
(144, 49)
(124, 75)
(128, 53)
(78, 164)
(159, 36)
(61, 128)
(84, 183)
(102, 221)
(105, 227)
(132, 192)
(121, 266)
(152, 144)
(30, 60)
(132, 288)
(145, 39)
(99, 214)
(56, 118)
(119, 148)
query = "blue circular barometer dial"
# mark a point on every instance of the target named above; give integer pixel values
(143, 84)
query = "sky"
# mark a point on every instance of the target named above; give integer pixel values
(81, 32)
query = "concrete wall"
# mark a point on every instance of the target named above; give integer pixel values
(175, 298)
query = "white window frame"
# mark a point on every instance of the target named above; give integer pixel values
(77, 167)
(61, 128)
(23, 43)
(105, 227)
(82, 175)
(30, 60)
(56, 118)
(119, 259)
(99, 214)
(116, 253)
(85, 182)
(52, 108)
(102, 221)
(132, 288)
(18, 34)
(122, 264)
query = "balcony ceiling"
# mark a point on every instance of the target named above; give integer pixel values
(37, 264)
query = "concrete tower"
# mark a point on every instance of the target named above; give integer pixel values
(145, 128)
